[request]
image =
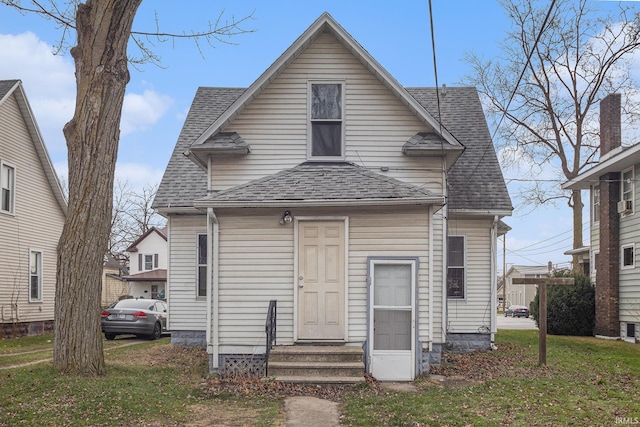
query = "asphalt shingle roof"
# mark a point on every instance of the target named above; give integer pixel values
(475, 180)
(321, 182)
(5, 86)
(183, 181)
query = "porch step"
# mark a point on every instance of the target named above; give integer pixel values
(325, 364)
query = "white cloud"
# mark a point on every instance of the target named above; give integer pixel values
(142, 110)
(48, 79)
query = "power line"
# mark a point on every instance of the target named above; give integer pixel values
(515, 88)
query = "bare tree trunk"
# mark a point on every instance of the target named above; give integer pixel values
(576, 208)
(103, 31)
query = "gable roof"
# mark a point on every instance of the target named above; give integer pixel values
(162, 232)
(325, 23)
(475, 180)
(14, 87)
(322, 184)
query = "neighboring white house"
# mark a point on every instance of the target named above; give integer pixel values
(32, 214)
(523, 294)
(615, 227)
(331, 188)
(147, 276)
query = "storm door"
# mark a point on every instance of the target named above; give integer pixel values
(392, 319)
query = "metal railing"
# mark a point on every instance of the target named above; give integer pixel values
(270, 329)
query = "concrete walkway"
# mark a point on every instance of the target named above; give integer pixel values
(307, 411)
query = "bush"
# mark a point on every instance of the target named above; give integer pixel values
(571, 309)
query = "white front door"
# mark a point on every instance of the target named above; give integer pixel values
(321, 281)
(392, 319)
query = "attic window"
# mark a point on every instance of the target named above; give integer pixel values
(326, 121)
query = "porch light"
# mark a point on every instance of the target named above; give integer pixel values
(286, 218)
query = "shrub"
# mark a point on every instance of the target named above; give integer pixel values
(571, 309)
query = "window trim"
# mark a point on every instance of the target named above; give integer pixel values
(464, 267)
(150, 257)
(595, 207)
(624, 266)
(631, 192)
(310, 120)
(39, 273)
(12, 190)
(199, 266)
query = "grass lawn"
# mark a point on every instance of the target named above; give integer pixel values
(586, 382)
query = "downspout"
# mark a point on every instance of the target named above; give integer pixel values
(494, 283)
(445, 235)
(213, 347)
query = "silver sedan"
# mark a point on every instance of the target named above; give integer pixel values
(141, 317)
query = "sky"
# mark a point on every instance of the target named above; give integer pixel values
(396, 34)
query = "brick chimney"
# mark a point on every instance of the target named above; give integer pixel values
(608, 268)
(610, 123)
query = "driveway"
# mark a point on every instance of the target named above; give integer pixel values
(515, 322)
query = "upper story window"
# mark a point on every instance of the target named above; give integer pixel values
(35, 276)
(147, 262)
(8, 188)
(595, 204)
(326, 118)
(627, 187)
(456, 267)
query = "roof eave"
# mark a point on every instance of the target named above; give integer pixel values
(481, 212)
(41, 149)
(617, 163)
(436, 200)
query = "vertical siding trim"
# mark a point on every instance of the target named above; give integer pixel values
(213, 285)
(445, 248)
(494, 284)
(430, 280)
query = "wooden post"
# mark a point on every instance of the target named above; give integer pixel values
(542, 308)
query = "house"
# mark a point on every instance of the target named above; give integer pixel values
(523, 294)
(614, 227)
(32, 214)
(330, 188)
(147, 276)
(113, 285)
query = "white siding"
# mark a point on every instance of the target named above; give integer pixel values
(630, 278)
(275, 124)
(37, 223)
(257, 264)
(152, 244)
(186, 312)
(474, 311)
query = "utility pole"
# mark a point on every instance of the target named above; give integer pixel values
(542, 308)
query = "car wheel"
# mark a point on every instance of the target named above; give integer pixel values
(157, 332)
(110, 336)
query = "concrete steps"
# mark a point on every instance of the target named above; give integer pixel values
(323, 364)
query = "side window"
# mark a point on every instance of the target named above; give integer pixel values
(7, 188)
(628, 186)
(628, 256)
(326, 121)
(202, 266)
(456, 267)
(595, 204)
(35, 276)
